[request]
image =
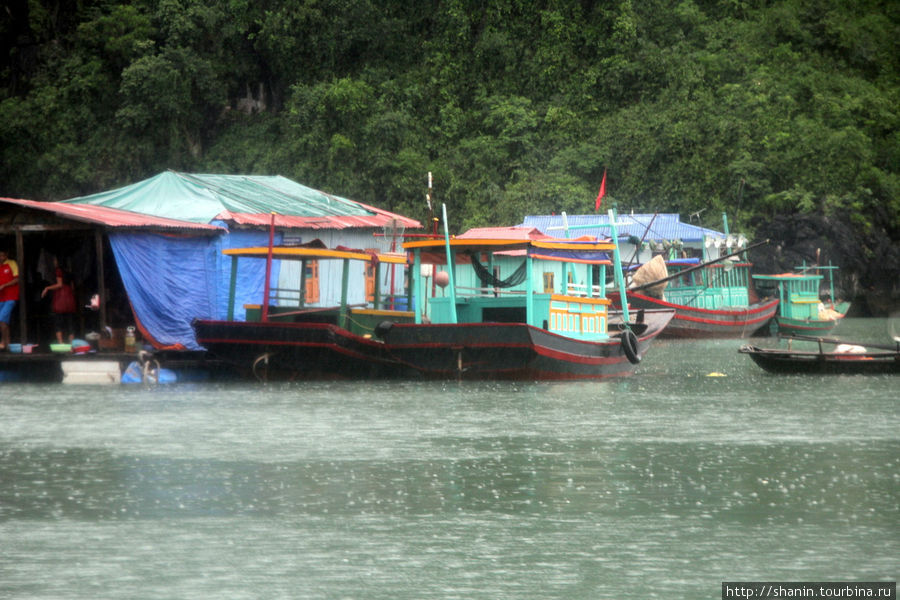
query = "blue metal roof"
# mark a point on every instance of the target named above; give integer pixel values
(666, 226)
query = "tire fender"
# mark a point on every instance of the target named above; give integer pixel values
(630, 346)
(383, 328)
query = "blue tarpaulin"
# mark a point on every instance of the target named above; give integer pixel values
(172, 280)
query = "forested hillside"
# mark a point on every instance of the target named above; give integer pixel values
(760, 108)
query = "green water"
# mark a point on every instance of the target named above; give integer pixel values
(662, 485)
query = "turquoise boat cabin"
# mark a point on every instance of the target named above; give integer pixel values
(806, 298)
(556, 285)
(718, 285)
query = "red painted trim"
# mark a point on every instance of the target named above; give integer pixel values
(578, 358)
(682, 317)
(682, 307)
(333, 347)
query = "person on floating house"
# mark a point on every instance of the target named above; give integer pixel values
(9, 294)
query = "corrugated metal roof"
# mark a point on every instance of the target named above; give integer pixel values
(111, 217)
(666, 226)
(242, 199)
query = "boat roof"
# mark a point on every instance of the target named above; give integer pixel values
(494, 245)
(307, 253)
(504, 233)
(659, 227)
(583, 250)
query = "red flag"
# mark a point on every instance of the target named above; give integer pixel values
(602, 191)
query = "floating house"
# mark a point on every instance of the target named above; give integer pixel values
(152, 251)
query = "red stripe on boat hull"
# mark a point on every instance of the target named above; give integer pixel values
(690, 322)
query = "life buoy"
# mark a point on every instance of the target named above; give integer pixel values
(630, 346)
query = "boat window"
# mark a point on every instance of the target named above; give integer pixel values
(548, 282)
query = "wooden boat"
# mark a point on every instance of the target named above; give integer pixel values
(712, 299)
(695, 322)
(518, 351)
(307, 341)
(517, 304)
(843, 358)
(801, 310)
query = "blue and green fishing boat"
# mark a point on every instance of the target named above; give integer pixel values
(802, 309)
(513, 303)
(711, 300)
(711, 295)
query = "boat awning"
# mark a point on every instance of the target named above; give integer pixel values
(495, 245)
(504, 233)
(583, 251)
(113, 217)
(306, 253)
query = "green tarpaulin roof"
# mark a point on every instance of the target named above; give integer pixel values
(243, 199)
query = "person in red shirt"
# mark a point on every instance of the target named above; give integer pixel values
(63, 304)
(9, 294)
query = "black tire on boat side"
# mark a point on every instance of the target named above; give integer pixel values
(382, 328)
(629, 346)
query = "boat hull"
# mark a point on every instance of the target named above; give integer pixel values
(294, 350)
(690, 322)
(513, 351)
(788, 326)
(792, 326)
(788, 361)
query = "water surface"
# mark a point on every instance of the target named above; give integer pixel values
(661, 485)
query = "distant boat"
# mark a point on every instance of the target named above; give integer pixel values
(711, 299)
(512, 303)
(845, 358)
(801, 309)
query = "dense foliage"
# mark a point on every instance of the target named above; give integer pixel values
(756, 107)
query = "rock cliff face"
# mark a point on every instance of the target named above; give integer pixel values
(869, 263)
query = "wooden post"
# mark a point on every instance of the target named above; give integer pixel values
(345, 284)
(376, 288)
(418, 291)
(101, 276)
(232, 285)
(529, 289)
(302, 302)
(23, 305)
(409, 288)
(450, 268)
(617, 265)
(266, 285)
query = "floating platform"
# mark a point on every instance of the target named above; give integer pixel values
(105, 367)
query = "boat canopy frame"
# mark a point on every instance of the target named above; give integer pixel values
(304, 254)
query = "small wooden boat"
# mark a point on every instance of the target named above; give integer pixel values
(842, 358)
(801, 310)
